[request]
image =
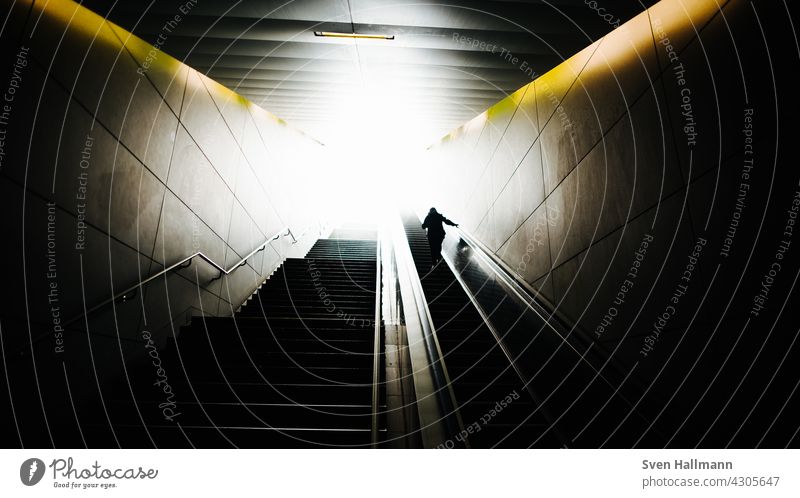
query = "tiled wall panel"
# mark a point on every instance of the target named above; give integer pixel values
(145, 161)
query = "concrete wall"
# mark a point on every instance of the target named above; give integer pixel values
(641, 137)
(118, 160)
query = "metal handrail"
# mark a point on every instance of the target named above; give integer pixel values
(440, 419)
(504, 271)
(498, 337)
(539, 305)
(526, 294)
(184, 263)
(376, 352)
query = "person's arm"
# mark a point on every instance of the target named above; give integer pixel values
(449, 222)
(425, 223)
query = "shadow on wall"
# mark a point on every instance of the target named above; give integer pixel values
(118, 160)
(639, 187)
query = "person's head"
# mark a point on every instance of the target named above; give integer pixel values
(432, 211)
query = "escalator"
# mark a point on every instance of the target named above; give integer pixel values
(495, 408)
(302, 363)
(572, 393)
(295, 367)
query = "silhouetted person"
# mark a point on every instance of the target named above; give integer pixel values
(433, 222)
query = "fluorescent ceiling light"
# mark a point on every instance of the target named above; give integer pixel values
(334, 34)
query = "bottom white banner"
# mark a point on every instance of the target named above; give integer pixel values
(333, 473)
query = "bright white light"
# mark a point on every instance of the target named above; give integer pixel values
(373, 156)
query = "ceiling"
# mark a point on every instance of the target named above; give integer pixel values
(266, 50)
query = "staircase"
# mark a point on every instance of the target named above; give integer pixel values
(292, 368)
(296, 367)
(490, 396)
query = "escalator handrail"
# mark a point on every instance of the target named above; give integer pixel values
(376, 352)
(449, 416)
(512, 359)
(532, 298)
(539, 305)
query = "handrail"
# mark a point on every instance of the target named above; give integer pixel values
(487, 321)
(508, 274)
(184, 263)
(525, 293)
(376, 352)
(540, 306)
(437, 408)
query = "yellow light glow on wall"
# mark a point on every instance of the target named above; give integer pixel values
(553, 85)
(508, 105)
(680, 19)
(68, 13)
(625, 45)
(630, 45)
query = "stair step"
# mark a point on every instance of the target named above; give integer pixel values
(292, 368)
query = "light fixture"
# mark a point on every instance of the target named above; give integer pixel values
(335, 34)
